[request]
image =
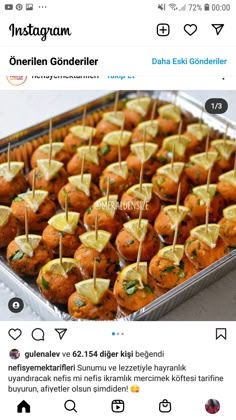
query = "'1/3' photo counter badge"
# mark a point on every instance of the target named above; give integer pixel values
(16, 80)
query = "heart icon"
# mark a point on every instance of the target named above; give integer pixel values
(190, 29)
(15, 333)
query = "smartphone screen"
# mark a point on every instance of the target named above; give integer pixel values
(117, 210)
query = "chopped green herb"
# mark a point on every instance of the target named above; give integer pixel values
(131, 287)
(89, 210)
(105, 150)
(79, 303)
(98, 259)
(45, 284)
(163, 160)
(17, 256)
(117, 267)
(130, 242)
(18, 199)
(160, 181)
(181, 264)
(131, 290)
(169, 268)
(194, 254)
(181, 274)
(148, 288)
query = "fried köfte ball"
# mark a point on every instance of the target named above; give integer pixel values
(8, 231)
(228, 231)
(226, 153)
(131, 206)
(198, 208)
(169, 275)
(62, 156)
(109, 154)
(105, 221)
(198, 175)
(131, 298)
(10, 189)
(107, 262)
(118, 184)
(132, 119)
(166, 188)
(103, 128)
(149, 167)
(75, 164)
(37, 220)
(70, 241)
(24, 264)
(53, 186)
(127, 245)
(227, 190)
(138, 136)
(72, 142)
(164, 156)
(163, 227)
(56, 287)
(77, 200)
(82, 308)
(202, 255)
(167, 127)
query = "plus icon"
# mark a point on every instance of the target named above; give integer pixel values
(163, 29)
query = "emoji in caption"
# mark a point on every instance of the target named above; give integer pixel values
(134, 388)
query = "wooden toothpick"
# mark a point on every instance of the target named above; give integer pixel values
(33, 183)
(82, 168)
(141, 286)
(96, 227)
(26, 225)
(108, 190)
(154, 107)
(178, 197)
(66, 205)
(60, 250)
(9, 157)
(207, 145)
(116, 101)
(140, 214)
(94, 273)
(84, 117)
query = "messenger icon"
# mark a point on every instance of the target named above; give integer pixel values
(165, 406)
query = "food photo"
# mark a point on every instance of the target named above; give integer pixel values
(118, 205)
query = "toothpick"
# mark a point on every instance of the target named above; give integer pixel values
(9, 157)
(178, 197)
(225, 134)
(96, 227)
(144, 139)
(137, 264)
(33, 183)
(207, 217)
(154, 107)
(208, 178)
(90, 141)
(116, 101)
(175, 236)
(201, 118)
(108, 190)
(235, 164)
(94, 273)
(60, 250)
(84, 117)
(207, 145)
(173, 157)
(82, 168)
(26, 225)
(50, 141)
(140, 214)
(66, 205)
(119, 149)
(180, 128)
(141, 177)
(175, 93)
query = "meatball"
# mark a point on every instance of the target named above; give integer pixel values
(56, 287)
(163, 157)
(198, 175)
(131, 206)
(109, 154)
(103, 128)
(166, 188)
(24, 264)
(227, 190)
(81, 307)
(127, 245)
(70, 241)
(198, 208)
(118, 184)
(132, 119)
(163, 227)
(149, 167)
(73, 141)
(53, 186)
(201, 255)
(75, 165)
(77, 200)
(130, 297)
(228, 231)
(105, 221)
(62, 156)
(226, 157)
(107, 262)
(8, 231)
(167, 127)
(169, 275)
(10, 189)
(37, 220)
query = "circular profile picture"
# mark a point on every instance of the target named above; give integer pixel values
(14, 354)
(212, 406)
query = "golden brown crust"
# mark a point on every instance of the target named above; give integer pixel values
(8, 231)
(80, 307)
(162, 226)
(103, 128)
(228, 231)
(198, 175)
(139, 297)
(198, 210)
(57, 288)
(70, 242)
(117, 184)
(9, 190)
(201, 255)
(105, 222)
(167, 274)
(53, 186)
(62, 156)
(109, 154)
(24, 264)
(167, 189)
(132, 119)
(77, 200)
(37, 221)
(75, 164)
(228, 191)
(107, 262)
(128, 246)
(149, 167)
(167, 126)
(131, 205)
